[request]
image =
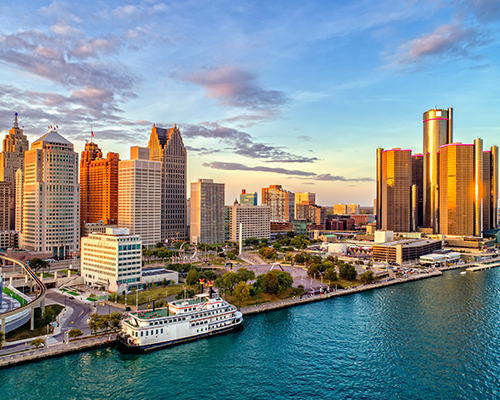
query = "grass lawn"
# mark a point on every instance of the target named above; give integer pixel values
(46, 275)
(15, 296)
(144, 295)
(262, 298)
(73, 293)
(69, 271)
(24, 331)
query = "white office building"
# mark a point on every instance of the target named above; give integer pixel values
(139, 199)
(255, 220)
(112, 260)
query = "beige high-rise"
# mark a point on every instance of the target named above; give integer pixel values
(281, 201)
(255, 222)
(139, 199)
(51, 197)
(207, 212)
(15, 145)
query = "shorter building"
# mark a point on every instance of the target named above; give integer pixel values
(156, 276)
(280, 227)
(112, 260)
(255, 222)
(340, 209)
(328, 238)
(441, 259)
(299, 226)
(9, 240)
(248, 198)
(312, 214)
(95, 227)
(404, 250)
(207, 212)
(383, 236)
(353, 209)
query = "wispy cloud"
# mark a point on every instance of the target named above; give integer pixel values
(228, 166)
(242, 143)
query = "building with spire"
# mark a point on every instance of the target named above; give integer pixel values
(12, 159)
(51, 197)
(167, 147)
(98, 186)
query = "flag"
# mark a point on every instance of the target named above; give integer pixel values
(108, 282)
(92, 133)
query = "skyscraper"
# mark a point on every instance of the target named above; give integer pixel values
(417, 180)
(139, 199)
(282, 203)
(394, 181)
(167, 147)
(467, 188)
(51, 197)
(98, 186)
(5, 189)
(12, 159)
(248, 198)
(207, 212)
(438, 131)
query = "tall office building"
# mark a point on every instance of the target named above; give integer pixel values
(438, 131)
(12, 159)
(167, 147)
(139, 199)
(417, 180)
(304, 198)
(207, 212)
(282, 203)
(19, 200)
(467, 190)
(5, 189)
(255, 222)
(98, 186)
(51, 197)
(394, 181)
(248, 198)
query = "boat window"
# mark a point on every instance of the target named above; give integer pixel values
(157, 331)
(142, 334)
(161, 330)
(146, 333)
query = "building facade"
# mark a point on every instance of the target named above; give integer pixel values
(255, 220)
(353, 209)
(281, 202)
(312, 213)
(139, 199)
(417, 180)
(340, 209)
(438, 131)
(5, 200)
(207, 212)
(394, 190)
(51, 197)
(15, 145)
(248, 198)
(167, 147)
(98, 186)
(112, 260)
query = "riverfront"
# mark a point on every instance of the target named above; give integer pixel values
(434, 338)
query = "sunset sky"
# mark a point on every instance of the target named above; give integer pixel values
(297, 93)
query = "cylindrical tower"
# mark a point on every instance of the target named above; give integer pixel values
(438, 131)
(378, 210)
(478, 187)
(494, 187)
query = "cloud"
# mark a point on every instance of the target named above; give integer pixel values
(234, 87)
(94, 47)
(228, 166)
(242, 143)
(124, 11)
(449, 41)
(64, 29)
(484, 10)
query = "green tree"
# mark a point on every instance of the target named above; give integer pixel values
(313, 271)
(270, 283)
(367, 277)
(267, 253)
(103, 322)
(347, 271)
(2, 338)
(300, 242)
(251, 242)
(325, 265)
(285, 280)
(290, 234)
(74, 333)
(192, 278)
(159, 245)
(38, 342)
(164, 282)
(231, 279)
(277, 246)
(242, 291)
(245, 274)
(264, 241)
(114, 320)
(49, 315)
(94, 323)
(38, 264)
(331, 275)
(210, 275)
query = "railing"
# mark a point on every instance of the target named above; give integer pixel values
(41, 286)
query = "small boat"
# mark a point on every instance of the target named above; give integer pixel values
(463, 272)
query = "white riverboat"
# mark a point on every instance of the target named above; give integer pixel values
(181, 321)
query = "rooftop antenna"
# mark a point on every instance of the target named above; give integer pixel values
(16, 124)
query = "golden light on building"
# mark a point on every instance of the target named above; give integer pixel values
(438, 131)
(394, 187)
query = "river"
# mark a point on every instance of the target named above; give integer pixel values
(434, 338)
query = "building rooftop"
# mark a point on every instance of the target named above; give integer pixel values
(53, 137)
(155, 271)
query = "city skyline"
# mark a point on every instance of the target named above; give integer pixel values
(301, 99)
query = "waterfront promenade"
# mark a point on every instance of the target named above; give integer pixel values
(58, 349)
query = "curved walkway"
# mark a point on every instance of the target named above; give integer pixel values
(31, 305)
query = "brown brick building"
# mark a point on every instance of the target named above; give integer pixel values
(98, 186)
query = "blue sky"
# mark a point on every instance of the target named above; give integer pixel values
(284, 92)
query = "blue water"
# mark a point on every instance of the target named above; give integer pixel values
(432, 339)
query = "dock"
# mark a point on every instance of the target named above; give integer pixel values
(482, 266)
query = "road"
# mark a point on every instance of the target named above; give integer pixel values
(74, 316)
